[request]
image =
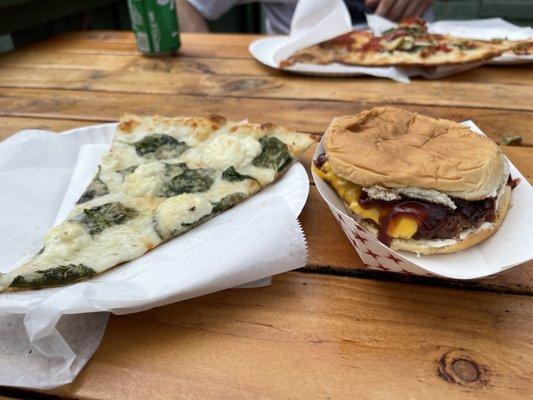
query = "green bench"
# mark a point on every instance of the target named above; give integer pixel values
(22, 21)
(519, 12)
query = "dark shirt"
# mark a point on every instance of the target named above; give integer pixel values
(357, 10)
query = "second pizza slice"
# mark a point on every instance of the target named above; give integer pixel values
(408, 44)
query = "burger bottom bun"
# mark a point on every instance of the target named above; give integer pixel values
(428, 247)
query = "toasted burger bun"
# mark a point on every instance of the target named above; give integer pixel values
(395, 148)
(428, 247)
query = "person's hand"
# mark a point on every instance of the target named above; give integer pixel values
(396, 10)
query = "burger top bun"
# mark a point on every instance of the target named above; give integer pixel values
(397, 148)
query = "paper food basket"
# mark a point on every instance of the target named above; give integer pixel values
(508, 247)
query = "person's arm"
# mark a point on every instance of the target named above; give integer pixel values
(189, 18)
(396, 10)
(192, 14)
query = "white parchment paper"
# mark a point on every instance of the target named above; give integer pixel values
(48, 335)
(488, 29)
(482, 29)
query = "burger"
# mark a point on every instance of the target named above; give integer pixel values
(418, 184)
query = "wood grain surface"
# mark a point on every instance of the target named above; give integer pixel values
(310, 335)
(305, 115)
(479, 94)
(315, 336)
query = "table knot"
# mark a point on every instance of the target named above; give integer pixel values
(455, 366)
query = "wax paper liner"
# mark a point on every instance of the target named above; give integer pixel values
(48, 335)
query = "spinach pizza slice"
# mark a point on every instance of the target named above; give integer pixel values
(160, 178)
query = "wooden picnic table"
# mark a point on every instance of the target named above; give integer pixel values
(334, 330)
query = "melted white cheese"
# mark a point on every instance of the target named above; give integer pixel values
(222, 188)
(61, 243)
(223, 151)
(122, 243)
(121, 156)
(175, 212)
(263, 175)
(112, 246)
(146, 180)
(68, 237)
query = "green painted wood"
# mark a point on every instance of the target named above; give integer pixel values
(453, 9)
(244, 18)
(519, 12)
(509, 9)
(6, 43)
(8, 3)
(26, 14)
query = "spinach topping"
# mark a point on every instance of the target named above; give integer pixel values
(97, 219)
(274, 154)
(128, 171)
(189, 181)
(159, 146)
(227, 202)
(412, 30)
(53, 276)
(224, 204)
(232, 175)
(96, 188)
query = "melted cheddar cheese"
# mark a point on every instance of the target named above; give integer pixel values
(401, 227)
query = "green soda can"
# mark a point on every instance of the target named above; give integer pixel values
(155, 24)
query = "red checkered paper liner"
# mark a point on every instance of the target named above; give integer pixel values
(508, 247)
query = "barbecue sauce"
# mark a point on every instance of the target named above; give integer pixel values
(320, 160)
(435, 221)
(512, 183)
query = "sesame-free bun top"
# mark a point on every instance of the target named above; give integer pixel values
(398, 148)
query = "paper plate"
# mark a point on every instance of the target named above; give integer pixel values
(511, 59)
(263, 51)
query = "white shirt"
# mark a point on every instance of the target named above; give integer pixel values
(278, 13)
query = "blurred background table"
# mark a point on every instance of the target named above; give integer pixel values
(333, 330)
